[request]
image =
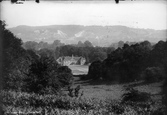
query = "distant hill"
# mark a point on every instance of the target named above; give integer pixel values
(98, 35)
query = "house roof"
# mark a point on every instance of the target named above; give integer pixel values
(68, 58)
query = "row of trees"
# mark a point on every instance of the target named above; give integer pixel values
(25, 70)
(85, 49)
(129, 63)
(90, 53)
(57, 43)
(58, 49)
(41, 45)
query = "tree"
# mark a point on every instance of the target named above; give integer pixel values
(46, 52)
(20, 68)
(65, 76)
(88, 44)
(98, 56)
(12, 50)
(40, 75)
(153, 74)
(158, 56)
(42, 45)
(120, 44)
(95, 70)
(45, 76)
(56, 43)
(30, 45)
(80, 44)
(125, 64)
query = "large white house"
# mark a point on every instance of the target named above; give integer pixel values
(73, 60)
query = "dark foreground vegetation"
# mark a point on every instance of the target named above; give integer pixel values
(24, 70)
(133, 103)
(33, 81)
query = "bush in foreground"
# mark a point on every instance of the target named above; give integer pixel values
(135, 96)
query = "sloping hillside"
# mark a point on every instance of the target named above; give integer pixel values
(98, 35)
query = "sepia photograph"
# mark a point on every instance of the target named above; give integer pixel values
(83, 57)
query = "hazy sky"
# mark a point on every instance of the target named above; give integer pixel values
(141, 14)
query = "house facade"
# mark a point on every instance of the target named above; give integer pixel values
(73, 60)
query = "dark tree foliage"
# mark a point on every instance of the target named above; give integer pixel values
(30, 45)
(80, 44)
(153, 74)
(164, 89)
(88, 44)
(135, 96)
(19, 70)
(95, 70)
(11, 51)
(65, 76)
(30, 70)
(135, 62)
(46, 76)
(58, 49)
(90, 53)
(158, 54)
(45, 52)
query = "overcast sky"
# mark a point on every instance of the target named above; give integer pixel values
(141, 14)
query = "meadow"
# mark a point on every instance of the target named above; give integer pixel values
(79, 69)
(99, 98)
(109, 90)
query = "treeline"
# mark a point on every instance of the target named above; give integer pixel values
(141, 61)
(25, 70)
(57, 43)
(89, 53)
(85, 50)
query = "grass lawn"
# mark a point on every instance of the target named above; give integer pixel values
(79, 69)
(114, 91)
(102, 90)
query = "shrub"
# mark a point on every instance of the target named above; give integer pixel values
(46, 76)
(153, 74)
(135, 96)
(75, 92)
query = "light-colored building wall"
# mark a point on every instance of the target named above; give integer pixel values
(65, 61)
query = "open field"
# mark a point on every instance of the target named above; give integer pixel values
(103, 90)
(79, 69)
(114, 91)
(99, 98)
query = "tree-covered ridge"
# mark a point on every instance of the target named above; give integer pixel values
(57, 43)
(102, 36)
